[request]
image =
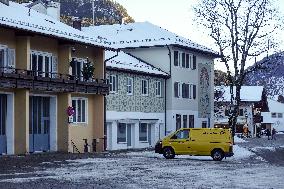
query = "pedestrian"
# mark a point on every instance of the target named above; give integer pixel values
(268, 133)
(273, 136)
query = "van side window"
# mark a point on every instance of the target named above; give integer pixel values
(183, 134)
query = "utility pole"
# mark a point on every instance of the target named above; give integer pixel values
(93, 9)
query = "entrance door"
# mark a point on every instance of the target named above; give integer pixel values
(39, 124)
(3, 117)
(128, 134)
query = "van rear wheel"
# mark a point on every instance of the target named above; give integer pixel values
(168, 153)
(217, 155)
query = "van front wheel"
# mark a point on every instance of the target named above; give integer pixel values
(217, 155)
(168, 153)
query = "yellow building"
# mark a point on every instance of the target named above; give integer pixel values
(41, 62)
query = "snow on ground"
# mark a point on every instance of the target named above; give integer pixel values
(239, 140)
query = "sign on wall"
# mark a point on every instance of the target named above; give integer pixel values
(6, 2)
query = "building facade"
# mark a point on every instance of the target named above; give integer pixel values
(189, 90)
(43, 105)
(274, 118)
(136, 104)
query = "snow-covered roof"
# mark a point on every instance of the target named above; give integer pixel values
(275, 106)
(18, 16)
(142, 34)
(127, 62)
(248, 93)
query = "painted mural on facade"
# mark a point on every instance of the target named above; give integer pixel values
(204, 94)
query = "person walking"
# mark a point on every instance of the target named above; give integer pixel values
(268, 133)
(273, 136)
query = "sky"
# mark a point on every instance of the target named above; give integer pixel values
(175, 16)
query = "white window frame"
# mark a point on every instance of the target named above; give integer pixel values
(179, 89)
(147, 127)
(43, 54)
(5, 61)
(82, 62)
(143, 82)
(190, 88)
(158, 87)
(129, 86)
(113, 89)
(76, 108)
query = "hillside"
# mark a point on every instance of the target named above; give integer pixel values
(106, 11)
(271, 77)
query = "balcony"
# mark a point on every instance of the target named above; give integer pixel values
(50, 82)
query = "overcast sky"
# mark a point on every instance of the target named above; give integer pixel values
(174, 15)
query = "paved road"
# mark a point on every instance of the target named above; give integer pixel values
(147, 170)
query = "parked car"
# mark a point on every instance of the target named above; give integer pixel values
(214, 142)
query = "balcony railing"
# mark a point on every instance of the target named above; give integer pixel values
(49, 81)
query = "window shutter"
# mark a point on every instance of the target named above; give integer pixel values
(176, 89)
(54, 66)
(187, 61)
(194, 63)
(194, 91)
(187, 91)
(183, 60)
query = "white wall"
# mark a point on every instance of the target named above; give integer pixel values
(53, 124)
(10, 124)
(113, 118)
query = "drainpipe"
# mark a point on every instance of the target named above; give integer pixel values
(170, 58)
(105, 126)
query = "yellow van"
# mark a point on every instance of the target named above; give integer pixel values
(214, 142)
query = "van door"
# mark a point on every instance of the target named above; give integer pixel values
(180, 142)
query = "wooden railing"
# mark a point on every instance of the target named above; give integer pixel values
(49, 81)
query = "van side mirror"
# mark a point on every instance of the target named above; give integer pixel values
(174, 137)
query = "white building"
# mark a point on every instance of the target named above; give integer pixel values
(274, 118)
(135, 107)
(250, 97)
(189, 90)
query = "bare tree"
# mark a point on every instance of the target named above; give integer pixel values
(241, 29)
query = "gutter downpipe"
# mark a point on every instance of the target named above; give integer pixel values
(170, 57)
(105, 125)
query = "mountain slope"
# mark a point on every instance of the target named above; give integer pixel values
(271, 77)
(106, 11)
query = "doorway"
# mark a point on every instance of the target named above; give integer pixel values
(3, 123)
(39, 126)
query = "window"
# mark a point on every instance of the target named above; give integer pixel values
(121, 133)
(280, 115)
(185, 90)
(129, 86)
(187, 60)
(192, 91)
(241, 112)
(145, 86)
(183, 134)
(191, 121)
(273, 115)
(80, 107)
(184, 121)
(143, 130)
(204, 124)
(7, 59)
(177, 89)
(77, 65)
(178, 121)
(193, 66)
(113, 83)
(183, 60)
(158, 88)
(176, 58)
(41, 63)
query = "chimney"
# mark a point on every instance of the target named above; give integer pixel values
(6, 2)
(77, 23)
(53, 9)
